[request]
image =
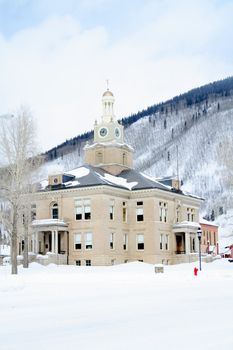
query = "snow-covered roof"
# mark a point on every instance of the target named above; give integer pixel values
(187, 224)
(113, 143)
(206, 222)
(129, 179)
(49, 222)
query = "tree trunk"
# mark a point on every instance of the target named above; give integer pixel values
(25, 252)
(14, 243)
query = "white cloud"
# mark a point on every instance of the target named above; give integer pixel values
(59, 69)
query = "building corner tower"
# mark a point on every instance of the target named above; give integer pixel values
(109, 150)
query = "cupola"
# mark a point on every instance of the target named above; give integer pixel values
(109, 150)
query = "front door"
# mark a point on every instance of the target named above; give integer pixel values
(179, 244)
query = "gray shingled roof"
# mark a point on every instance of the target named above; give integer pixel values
(132, 180)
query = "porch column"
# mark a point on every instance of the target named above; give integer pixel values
(52, 233)
(56, 242)
(187, 243)
(196, 243)
(36, 243)
(33, 243)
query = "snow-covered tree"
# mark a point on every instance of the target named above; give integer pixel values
(18, 159)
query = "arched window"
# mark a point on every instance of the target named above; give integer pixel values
(54, 211)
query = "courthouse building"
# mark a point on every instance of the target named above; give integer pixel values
(105, 212)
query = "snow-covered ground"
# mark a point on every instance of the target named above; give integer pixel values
(116, 308)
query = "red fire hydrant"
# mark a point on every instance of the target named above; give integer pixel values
(195, 271)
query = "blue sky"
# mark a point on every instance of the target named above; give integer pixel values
(56, 55)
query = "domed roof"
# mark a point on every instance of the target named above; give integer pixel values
(107, 93)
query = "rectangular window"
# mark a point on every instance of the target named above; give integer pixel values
(190, 214)
(88, 241)
(83, 209)
(163, 210)
(87, 210)
(166, 242)
(125, 241)
(177, 215)
(124, 212)
(111, 209)
(88, 262)
(79, 213)
(161, 242)
(139, 213)
(55, 213)
(140, 242)
(111, 242)
(78, 262)
(78, 241)
(33, 212)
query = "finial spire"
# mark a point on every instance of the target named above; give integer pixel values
(107, 83)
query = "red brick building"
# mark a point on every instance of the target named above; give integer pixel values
(209, 239)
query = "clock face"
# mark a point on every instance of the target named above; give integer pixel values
(117, 132)
(103, 132)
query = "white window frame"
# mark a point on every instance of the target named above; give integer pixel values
(88, 241)
(88, 262)
(111, 209)
(161, 241)
(140, 239)
(139, 214)
(163, 211)
(87, 209)
(166, 243)
(79, 241)
(124, 213)
(125, 241)
(83, 209)
(112, 241)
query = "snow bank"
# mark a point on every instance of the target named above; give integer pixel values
(117, 307)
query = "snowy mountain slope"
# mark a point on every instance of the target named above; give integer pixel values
(197, 137)
(200, 138)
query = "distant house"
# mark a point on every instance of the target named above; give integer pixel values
(209, 239)
(227, 251)
(4, 251)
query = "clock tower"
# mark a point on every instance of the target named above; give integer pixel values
(109, 150)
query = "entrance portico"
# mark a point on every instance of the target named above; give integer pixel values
(50, 235)
(186, 240)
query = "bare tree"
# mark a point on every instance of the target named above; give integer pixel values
(17, 150)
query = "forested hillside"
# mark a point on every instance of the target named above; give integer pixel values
(190, 134)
